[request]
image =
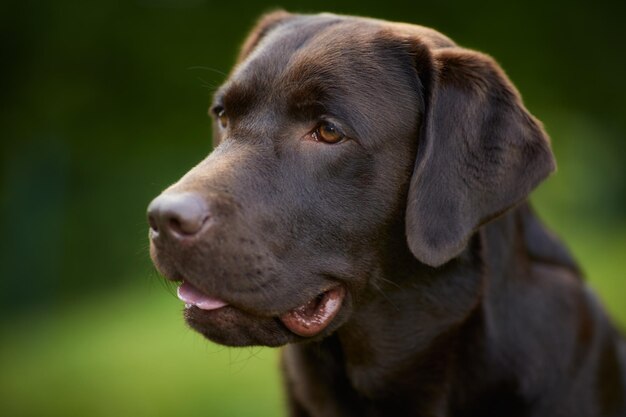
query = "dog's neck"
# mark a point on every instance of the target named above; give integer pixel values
(406, 348)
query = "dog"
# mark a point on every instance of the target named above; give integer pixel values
(365, 205)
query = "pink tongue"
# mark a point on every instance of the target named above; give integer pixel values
(191, 295)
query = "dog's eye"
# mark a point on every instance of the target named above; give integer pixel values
(222, 118)
(220, 115)
(328, 132)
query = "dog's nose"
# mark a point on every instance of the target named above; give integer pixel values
(177, 215)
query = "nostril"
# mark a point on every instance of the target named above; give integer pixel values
(178, 214)
(153, 217)
(189, 226)
(152, 222)
(174, 224)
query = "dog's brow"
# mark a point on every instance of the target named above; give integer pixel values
(307, 100)
(238, 99)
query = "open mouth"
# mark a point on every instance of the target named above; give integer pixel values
(306, 320)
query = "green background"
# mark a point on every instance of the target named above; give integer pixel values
(105, 103)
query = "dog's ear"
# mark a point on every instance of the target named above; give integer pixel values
(264, 25)
(479, 153)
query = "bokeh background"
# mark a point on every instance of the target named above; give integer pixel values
(104, 103)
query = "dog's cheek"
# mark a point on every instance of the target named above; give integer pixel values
(354, 168)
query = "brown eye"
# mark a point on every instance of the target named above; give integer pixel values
(222, 118)
(328, 132)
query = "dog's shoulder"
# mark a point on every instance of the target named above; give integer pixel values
(542, 244)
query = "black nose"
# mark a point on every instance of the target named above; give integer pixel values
(177, 215)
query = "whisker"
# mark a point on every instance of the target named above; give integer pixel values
(388, 281)
(200, 67)
(384, 294)
(207, 84)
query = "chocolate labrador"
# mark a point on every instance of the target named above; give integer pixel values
(365, 205)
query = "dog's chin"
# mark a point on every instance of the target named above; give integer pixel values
(232, 326)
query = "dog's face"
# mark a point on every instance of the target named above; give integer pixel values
(342, 144)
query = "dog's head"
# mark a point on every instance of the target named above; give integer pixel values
(343, 144)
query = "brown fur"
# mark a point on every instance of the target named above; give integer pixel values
(459, 301)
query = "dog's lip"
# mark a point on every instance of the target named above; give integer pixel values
(312, 317)
(306, 320)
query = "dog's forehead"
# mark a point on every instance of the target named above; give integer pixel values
(320, 41)
(344, 63)
(326, 36)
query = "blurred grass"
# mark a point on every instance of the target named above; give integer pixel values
(129, 354)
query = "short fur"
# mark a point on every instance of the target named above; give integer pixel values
(459, 301)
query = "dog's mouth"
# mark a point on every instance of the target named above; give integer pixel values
(306, 320)
(314, 316)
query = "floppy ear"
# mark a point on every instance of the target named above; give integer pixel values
(480, 152)
(264, 25)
